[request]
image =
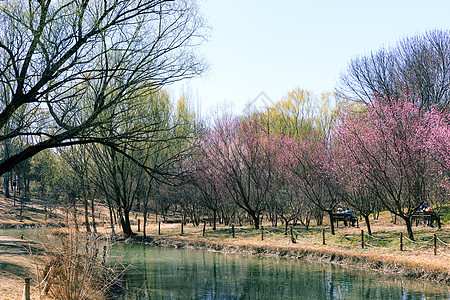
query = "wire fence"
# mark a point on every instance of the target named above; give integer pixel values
(402, 242)
(388, 242)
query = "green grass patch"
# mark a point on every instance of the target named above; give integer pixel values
(445, 214)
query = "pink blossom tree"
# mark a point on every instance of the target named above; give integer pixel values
(439, 146)
(306, 162)
(202, 175)
(237, 152)
(384, 148)
(356, 192)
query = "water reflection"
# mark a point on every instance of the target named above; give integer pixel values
(160, 273)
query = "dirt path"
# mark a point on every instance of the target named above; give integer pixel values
(16, 263)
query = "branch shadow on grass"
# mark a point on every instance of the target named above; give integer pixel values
(15, 269)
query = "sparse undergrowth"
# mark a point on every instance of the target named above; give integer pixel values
(74, 267)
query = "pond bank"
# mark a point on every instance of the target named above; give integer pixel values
(394, 264)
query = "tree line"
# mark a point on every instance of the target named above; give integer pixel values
(84, 117)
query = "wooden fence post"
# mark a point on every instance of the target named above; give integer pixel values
(323, 236)
(204, 228)
(26, 291)
(182, 227)
(262, 233)
(232, 229)
(362, 239)
(435, 243)
(159, 228)
(401, 241)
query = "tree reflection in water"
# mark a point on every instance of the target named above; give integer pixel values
(161, 273)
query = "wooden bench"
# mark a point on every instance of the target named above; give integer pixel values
(347, 218)
(425, 217)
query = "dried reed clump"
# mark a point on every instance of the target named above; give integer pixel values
(74, 268)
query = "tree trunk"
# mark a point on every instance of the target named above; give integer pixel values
(214, 219)
(438, 220)
(366, 218)
(286, 225)
(255, 218)
(145, 219)
(307, 224)
(94, 227)
(111, 217)
(86, 214)
(74, 206)
(126, 225)
(409, 227)
(6, 185)
(26, 184)
(318, 215)
(330, 213)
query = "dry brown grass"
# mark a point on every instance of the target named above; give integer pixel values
(74, 267)
(15, 265)
(33, 213)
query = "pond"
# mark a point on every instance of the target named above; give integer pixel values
(167, 273)
(164, 273)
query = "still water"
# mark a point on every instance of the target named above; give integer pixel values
(165, 273)
(161, 273)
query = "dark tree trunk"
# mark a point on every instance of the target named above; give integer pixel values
(369, 230)
(286, 226)
(256, 220)
(214, 219)
(318, 215)
(409, 227)
(74, 206)
(86, 214)
(330, 213)
(94, 227)
(26, 183)
(126, 225)
(255, 217)
(6, 185)
(438, 220)
(145, 220)
(111, 217)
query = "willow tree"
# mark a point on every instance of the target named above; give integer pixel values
(127, 177)
(297, 117)
(64, 63)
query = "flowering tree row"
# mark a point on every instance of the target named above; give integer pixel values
(389, 153)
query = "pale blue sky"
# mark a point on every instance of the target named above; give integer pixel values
(277, 46)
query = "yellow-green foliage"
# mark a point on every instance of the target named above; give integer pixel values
(301, 113)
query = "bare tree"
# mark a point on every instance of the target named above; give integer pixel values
(64, 64)
(238, 153)
(418, 66)
(79, 162)
(127, 177)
